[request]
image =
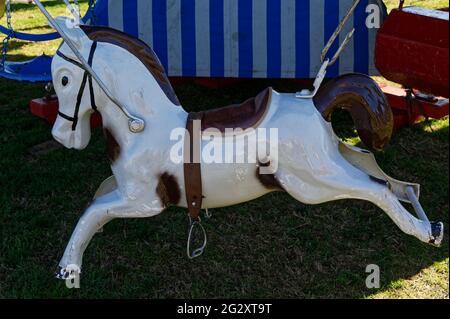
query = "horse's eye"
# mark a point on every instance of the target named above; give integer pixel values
(65, 80)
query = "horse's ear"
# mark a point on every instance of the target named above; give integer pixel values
(72, 31)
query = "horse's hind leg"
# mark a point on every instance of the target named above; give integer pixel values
(431, 233)
(101, 211)
(361, 186)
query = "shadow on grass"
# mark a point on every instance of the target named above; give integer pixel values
(16, 7)
(270, 247)
(16, 45)
(19, 58)
(45, 29)
(22, 57)
(22, 46)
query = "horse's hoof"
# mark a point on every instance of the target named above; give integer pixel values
(67, 273)
(61, 273)
(437, 233)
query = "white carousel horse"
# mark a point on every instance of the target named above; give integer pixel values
(312, 164)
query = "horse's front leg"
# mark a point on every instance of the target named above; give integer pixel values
(101, 211)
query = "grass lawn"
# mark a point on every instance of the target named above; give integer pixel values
(270, 247)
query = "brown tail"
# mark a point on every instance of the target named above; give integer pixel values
(366, 103)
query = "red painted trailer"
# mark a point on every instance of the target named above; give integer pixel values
(412, 50)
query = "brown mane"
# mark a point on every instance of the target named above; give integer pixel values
(139, 49)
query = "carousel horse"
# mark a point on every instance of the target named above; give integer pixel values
(100, 69)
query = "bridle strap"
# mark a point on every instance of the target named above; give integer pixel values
(64, 116)
(86, 77)
(65, 57)
(91, 87)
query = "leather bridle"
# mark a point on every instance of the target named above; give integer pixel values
(86, 78)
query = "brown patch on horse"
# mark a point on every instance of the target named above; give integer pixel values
(139, 49)
(168, 190)
(112, 146)
(268, 180)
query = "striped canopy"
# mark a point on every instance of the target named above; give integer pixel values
(245, 38)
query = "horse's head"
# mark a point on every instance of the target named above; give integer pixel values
(79, 95)
(74, 87)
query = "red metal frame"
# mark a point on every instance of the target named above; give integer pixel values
(47, 109)
(408, 109)
(411, 107)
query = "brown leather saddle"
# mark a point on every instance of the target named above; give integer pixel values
(245, 115)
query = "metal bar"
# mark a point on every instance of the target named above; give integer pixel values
(307, 94)
(135, 124)
(342, 47)
(416, 205)
(74, 11)
(338, 30)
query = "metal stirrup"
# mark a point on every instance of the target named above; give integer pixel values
(198, 251)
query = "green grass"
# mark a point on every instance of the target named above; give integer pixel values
(270, 247)
(432, 4)
(28, 18)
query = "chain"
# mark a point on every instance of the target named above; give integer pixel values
(8, 14)
(4, 52)
(8, 36)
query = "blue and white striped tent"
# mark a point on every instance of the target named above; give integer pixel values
(245, 38)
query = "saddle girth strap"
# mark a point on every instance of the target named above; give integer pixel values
(192, 166)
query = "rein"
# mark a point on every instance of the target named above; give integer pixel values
(86, 78)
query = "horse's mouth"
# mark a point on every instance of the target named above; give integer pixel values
(69, 141)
